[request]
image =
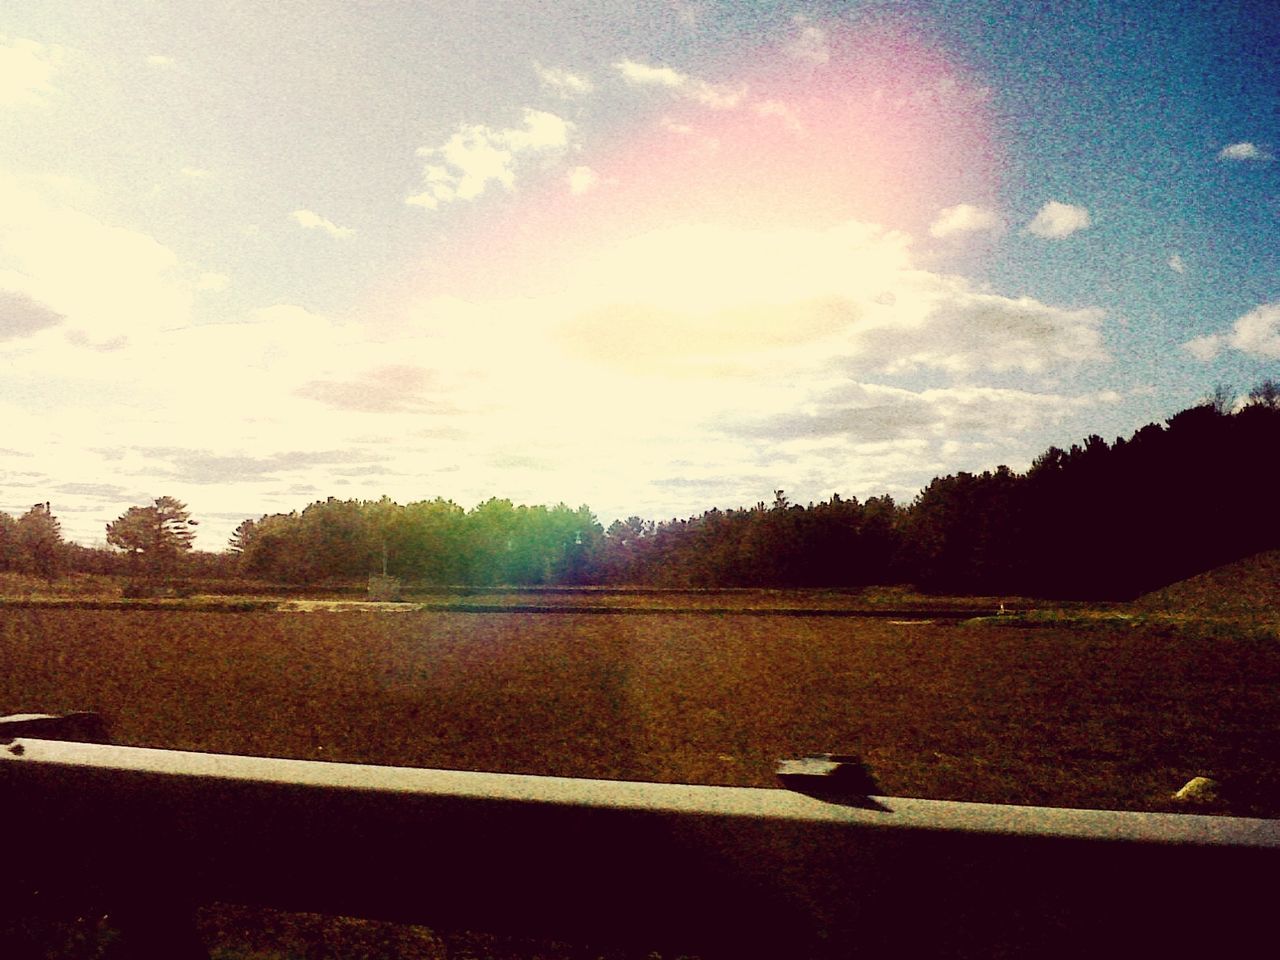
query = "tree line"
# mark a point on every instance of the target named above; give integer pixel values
(430, 541)
(1098, 520)
(1108, 521)
(150, 542)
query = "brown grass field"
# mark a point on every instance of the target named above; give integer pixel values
(1092, 715)
(1102, 713)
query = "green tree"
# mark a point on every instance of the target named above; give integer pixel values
(274, 551)
(431, 541)
(40, 546)
(337, 540)
(385, 522)
(490, 541)
(10, 551)
(154, 536)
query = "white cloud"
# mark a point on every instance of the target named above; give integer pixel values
(714, 96)
(899, 435)
(25, 70)
(196, 173)
(1244, 151)
(963, 218)
(1204, 348)
(643, 75)
(475, 156)
(1057, 220)
(108, 281)
(313, 221)
(1177, 264)
(563, 82)
(997, 411)
(944, 324)
(1258, 331)
(582, 179)
(159, 60)
(542, 131)
(721, 96)
(811, 43)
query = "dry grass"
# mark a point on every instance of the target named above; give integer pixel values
(84, 585)
(1100, 717)
(1248, 588)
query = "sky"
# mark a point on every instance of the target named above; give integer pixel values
(653, 256)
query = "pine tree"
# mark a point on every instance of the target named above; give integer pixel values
(155, 536)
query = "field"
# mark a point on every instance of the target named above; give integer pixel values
(1090, 712)
(1095, 715)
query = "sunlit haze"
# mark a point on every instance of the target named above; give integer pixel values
(652, 257)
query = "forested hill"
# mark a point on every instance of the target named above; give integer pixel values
(1107, 521)
(1097, 521)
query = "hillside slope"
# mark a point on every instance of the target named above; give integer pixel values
(1247, 588)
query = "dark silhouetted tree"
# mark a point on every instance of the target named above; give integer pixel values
(1266, 394)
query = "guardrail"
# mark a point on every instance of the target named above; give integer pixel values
(701, 870)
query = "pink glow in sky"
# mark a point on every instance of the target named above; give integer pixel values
(888, 130)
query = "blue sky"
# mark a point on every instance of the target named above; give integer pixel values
(652, 257)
